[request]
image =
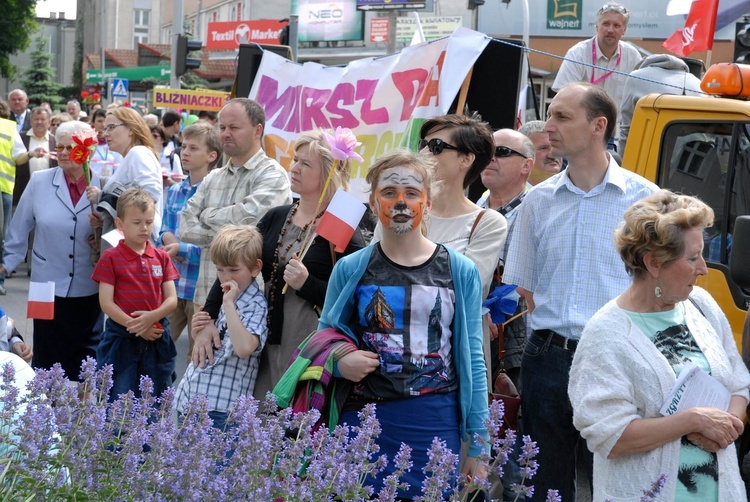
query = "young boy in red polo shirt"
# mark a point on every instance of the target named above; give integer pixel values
(137, 292)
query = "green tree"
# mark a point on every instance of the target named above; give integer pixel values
(18, 21)
(39, 78)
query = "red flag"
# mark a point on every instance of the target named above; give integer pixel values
(698, 33)
(41, 300)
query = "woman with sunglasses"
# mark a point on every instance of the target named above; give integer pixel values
(57, 119)
(127, 134)
(462, 146)
(54, 205)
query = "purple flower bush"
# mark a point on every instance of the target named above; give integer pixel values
(64, 441)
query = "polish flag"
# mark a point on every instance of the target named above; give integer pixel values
(41, 301)
(341, 219)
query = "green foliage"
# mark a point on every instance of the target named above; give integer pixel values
(18, 21)
(39, 78)
(192, 81)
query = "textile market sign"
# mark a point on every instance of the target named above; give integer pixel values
(227, 36)
(202, 99)
(383, 100)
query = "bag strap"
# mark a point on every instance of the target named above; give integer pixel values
(501, 345)
(476, 222)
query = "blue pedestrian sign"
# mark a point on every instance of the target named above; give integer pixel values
(119, 88)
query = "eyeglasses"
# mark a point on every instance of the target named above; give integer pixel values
(435, 145)
(503, 151)
(608, 7)
(111, 127)
(62, 148)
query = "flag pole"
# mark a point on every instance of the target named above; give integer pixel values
(708, 58)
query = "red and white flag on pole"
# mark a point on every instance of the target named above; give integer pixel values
(41, 301)
(341, 219)
(698, 33)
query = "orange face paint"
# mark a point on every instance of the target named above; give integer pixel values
(400, 199)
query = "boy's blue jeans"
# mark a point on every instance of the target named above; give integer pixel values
(131, 357)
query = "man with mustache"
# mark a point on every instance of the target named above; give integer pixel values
(545, 164)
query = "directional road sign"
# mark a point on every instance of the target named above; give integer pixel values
(131, 73)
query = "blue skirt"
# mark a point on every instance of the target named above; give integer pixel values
(416, 422)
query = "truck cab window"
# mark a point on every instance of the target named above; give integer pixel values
(696, 161)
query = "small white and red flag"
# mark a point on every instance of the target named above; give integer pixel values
(340, 219)
(41, 301)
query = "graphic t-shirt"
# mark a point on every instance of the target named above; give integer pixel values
(698, 474)
(405, 315)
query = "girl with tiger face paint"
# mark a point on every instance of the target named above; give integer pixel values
(400, 199)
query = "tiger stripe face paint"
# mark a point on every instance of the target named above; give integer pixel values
(400, 199)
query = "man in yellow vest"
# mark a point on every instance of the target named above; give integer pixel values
(12, 152)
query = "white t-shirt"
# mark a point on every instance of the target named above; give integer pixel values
(140, 168)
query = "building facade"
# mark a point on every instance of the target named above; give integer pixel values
(60, 35)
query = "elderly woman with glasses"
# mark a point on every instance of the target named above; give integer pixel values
(54, 205)
(127, 134)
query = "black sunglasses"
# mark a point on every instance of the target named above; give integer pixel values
(435, 145)
(504, 151)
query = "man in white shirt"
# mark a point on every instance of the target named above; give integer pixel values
(18, 102)
(609, 52)
(73, 108)
(37, 139)
(566, 266)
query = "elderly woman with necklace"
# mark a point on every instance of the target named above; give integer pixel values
(632, 351)
(293, 315)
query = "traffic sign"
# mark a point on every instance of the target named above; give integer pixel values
(135, 73)
(119, 88)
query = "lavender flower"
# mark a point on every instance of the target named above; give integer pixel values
(553, 496)
(62, 441)
(649, 495)
(528, 467)
(439, 471)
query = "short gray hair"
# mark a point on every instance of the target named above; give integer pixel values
(533, 127)
(71, 128)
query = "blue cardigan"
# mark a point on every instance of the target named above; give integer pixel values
(339, 310)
